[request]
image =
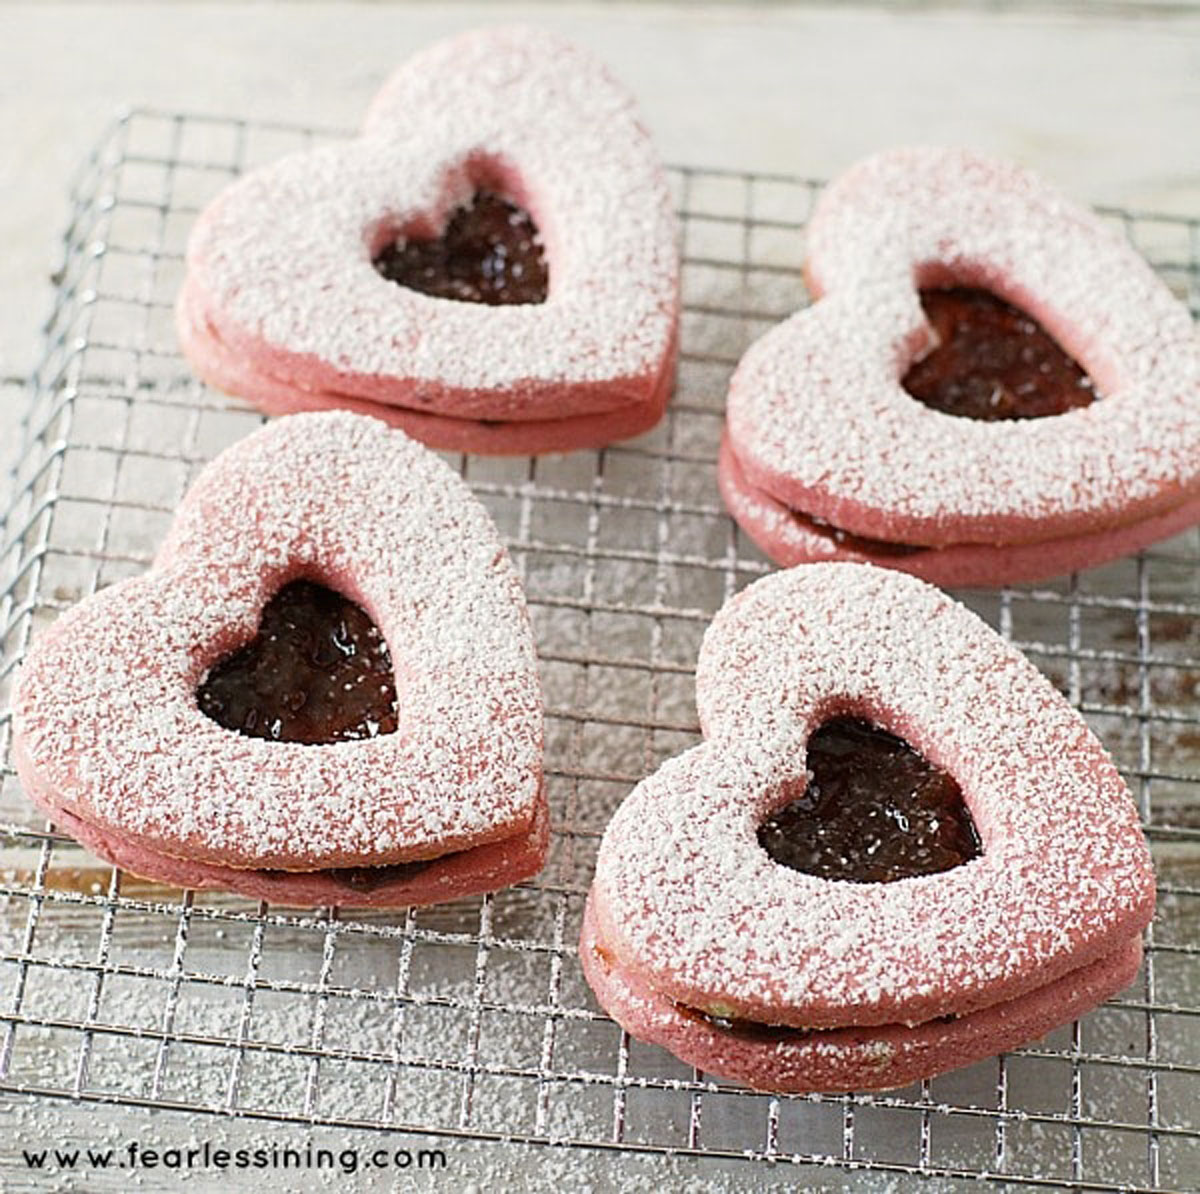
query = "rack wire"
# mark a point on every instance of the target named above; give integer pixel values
(473, 1020)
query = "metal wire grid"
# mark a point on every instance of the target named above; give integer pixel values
(473, 1020)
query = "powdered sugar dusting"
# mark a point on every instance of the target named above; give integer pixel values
(235, 372)
(849, 1058)
(685, 895)
(280, 263)
(791, 537)
(105, 713)
(819, 418)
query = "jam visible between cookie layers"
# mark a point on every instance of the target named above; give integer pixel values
(489, 253)
(874, 811)
(993, 361)
(859, 543)
(364, 879)
(758, 1032)
(754, 1031)
(317, 671)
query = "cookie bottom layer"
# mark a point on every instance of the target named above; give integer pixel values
(432, 881)
(845, 1059)
(791, 537)
(236, 374)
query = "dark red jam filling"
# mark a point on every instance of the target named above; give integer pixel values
(317, 671)
(489, 253)
(860, 543)
(746, 1030)
(993, 361)
(754, 1030)
(369, 878)
(874, 811)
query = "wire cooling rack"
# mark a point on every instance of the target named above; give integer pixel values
(473, 1020)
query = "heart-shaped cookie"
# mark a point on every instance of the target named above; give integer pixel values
(959, 301)
(698, 938)
(187, 723)
(290, 299)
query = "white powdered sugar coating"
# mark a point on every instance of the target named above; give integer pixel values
(685, 896)
(820, 420)
(105, 714)
(233, 372)
(791, 537)
(852, 1058)
(280, 263)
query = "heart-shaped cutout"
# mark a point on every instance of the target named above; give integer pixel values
(688, 908)
(873, 810)
(821, 425)
(992, 361)
(109, 729)
(489, 252)
(317, 671)
(284, 301)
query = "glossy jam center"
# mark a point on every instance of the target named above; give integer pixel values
(317, 671)
(489, 253)
(993, 361)
(874, 811)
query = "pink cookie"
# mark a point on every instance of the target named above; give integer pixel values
(793, 1060)
(231, 373)
(820, 421)
(126, 709)
(285, 289)
(690, 906)
(790, 537)
(453, 876)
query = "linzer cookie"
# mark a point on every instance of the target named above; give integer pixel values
(897, 851)
(491, 266)
(991, 386)
(324, 690)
